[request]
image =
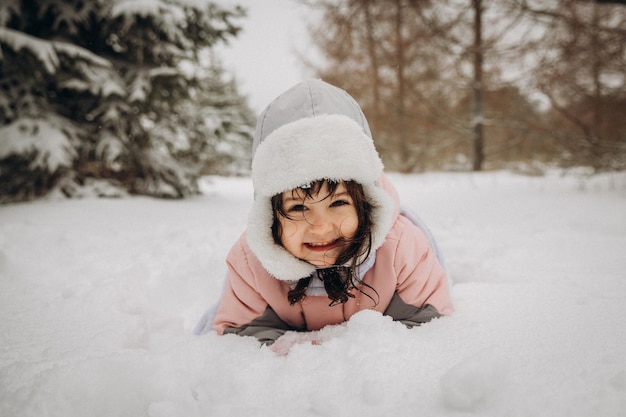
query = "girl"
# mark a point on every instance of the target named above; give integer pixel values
(325, 237)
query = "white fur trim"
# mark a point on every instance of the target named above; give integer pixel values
(275, 259)
(327, 146)
(383, 215)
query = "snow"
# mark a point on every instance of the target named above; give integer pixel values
(173, 14)
(43, 50)
(99, 297)
(51, 145)
(47, 52)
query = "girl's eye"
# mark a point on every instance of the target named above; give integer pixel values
(338, 203)
(297, 207)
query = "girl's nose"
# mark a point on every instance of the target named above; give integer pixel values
(320, 224)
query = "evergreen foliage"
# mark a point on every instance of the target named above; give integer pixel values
(115, 90)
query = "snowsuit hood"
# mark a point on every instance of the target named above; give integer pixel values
(311, 132)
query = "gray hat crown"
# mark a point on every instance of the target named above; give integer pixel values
(307, 99)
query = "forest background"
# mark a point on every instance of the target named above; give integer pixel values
(130, 96)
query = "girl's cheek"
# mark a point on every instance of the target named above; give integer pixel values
(349, 226)
(288, 229)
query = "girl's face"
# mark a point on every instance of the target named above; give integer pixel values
(317, 226)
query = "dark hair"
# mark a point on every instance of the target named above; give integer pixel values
(339, 279)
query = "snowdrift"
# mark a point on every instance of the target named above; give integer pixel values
(98, 299)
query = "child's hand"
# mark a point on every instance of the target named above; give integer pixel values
(283, 344)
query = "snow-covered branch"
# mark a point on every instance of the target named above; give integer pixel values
(47, 52)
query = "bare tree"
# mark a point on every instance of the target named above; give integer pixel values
(477, 89)
(451, 78)
(582, 71)
(383, 54)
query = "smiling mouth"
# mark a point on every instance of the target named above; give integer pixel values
(321, 246)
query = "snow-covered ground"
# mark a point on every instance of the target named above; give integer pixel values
(98, 299)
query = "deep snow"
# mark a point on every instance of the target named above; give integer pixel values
(98, 299)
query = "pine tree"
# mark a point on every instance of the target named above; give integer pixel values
(214, 130)
(102, 89)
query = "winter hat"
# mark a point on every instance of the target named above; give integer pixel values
(313, 131)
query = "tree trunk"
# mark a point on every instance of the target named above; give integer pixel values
(477, 121)
(401, 110)
(374, 64)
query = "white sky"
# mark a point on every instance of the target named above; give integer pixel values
(263, 56)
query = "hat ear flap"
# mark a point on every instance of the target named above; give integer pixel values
(276, 260)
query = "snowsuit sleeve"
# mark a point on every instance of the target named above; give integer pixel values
(422, 290)
(242, 309)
